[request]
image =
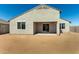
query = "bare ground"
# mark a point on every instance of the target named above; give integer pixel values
(65, 43)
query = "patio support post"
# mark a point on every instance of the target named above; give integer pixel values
(58, 28)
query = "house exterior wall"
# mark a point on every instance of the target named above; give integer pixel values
(35, 15)
(34, 28)
(67, 26)
(52, 27)
(38, 15)
(4, 28)
(14, 30)
(58, 28)
(45, 15)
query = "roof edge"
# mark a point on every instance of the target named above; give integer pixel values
(66, 20)
(4, 21)
(32, 9)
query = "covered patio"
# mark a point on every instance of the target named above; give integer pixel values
(45, 28)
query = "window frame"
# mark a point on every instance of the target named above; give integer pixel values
(20, 25)
(62, 25)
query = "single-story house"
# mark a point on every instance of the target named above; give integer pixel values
(4, 26)
(41, 19)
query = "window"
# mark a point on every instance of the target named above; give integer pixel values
(62, 25)
(20, 25)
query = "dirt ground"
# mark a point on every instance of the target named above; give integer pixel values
(37, 44)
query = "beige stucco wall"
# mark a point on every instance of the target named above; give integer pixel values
(14, 30)
(67, 25)
(52, 27)
(35, 15)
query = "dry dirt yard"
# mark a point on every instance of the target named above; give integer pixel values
(48, 44)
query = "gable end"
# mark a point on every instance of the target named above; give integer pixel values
(35, 8)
